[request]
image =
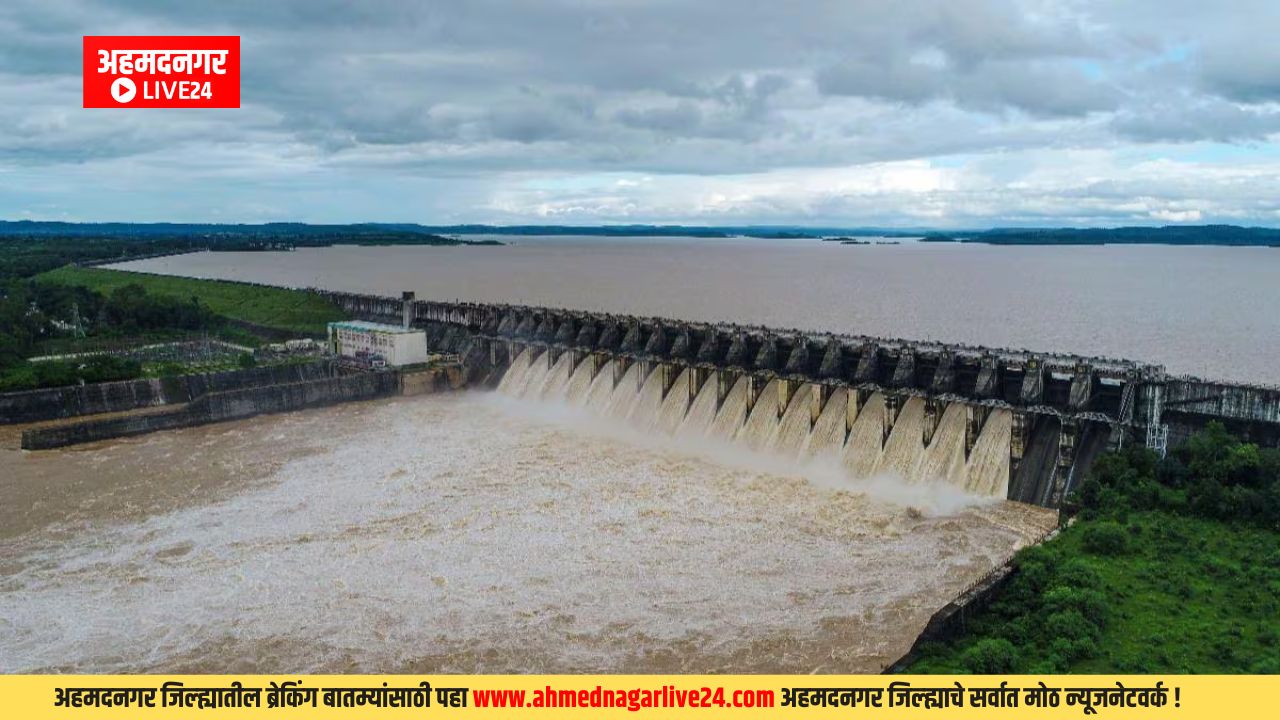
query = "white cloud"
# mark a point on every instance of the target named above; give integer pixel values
(1050, 187)
(1178, 216)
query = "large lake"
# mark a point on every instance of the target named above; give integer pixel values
(1202, 310)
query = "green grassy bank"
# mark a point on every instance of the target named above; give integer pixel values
(278, 308)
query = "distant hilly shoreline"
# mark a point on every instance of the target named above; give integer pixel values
(1221, 235)
(276, 235)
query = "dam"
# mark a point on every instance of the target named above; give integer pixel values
(638, 495)
(1017, 424)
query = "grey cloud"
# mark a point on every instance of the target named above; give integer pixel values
(681, 117)
(1052, 89)
(1197, 119)
(896, 80)
(1039, 88)
(978, 32)
(1247, 72)
(448, 71)
(712, 88)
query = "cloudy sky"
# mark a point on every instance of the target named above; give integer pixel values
(948, 113)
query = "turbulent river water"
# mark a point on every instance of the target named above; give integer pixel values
(477, 532)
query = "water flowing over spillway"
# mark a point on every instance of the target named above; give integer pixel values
(802, 427)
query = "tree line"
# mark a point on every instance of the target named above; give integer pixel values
(32, 312)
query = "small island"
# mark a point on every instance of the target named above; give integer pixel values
(859, 241)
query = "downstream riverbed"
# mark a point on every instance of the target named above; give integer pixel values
(464, 533)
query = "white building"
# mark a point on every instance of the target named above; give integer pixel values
(367, 341)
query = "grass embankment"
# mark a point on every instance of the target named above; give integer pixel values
(1171, 566)
(277, 308)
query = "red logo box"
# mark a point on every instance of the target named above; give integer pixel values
(162, 71)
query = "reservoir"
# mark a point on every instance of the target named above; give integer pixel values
(1207, 311)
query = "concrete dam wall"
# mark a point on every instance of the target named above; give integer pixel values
(1061, 411)
(221, 406)
(913, 408)
(74, 401)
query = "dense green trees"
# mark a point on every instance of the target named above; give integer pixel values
(1213, 475)
(99, 368)
(1172, 565)
(24, 256)
(32, 312)
(130, 309)
(38, 316)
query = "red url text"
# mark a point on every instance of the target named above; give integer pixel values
(634, 699)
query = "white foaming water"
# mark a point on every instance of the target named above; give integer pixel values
(862, 449)
(676, 405)
(826, 439)
(797, 435)
(792, 433)
(476, 533)
(762, 420)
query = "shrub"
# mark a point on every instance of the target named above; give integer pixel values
(1072, 649)
(990, 656)
(1070, 625)
(22, 377)
(1104, 538)
(1051, 665)
(1091, 604)
(1036, 567)
(56, 373)
(106, 368)
(170, 368)
(1078, 573)
(61, 373)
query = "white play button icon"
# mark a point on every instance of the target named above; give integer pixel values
(123, 90)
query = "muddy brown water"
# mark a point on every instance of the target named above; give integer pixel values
(468, 533)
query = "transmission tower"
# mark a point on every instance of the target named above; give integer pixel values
(77, 326)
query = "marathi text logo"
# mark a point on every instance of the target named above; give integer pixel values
(161, 71)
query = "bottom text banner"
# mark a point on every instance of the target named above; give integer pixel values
(650, 696)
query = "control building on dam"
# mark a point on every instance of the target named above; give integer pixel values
(1023, 424)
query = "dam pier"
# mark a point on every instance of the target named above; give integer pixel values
(1016, 423)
